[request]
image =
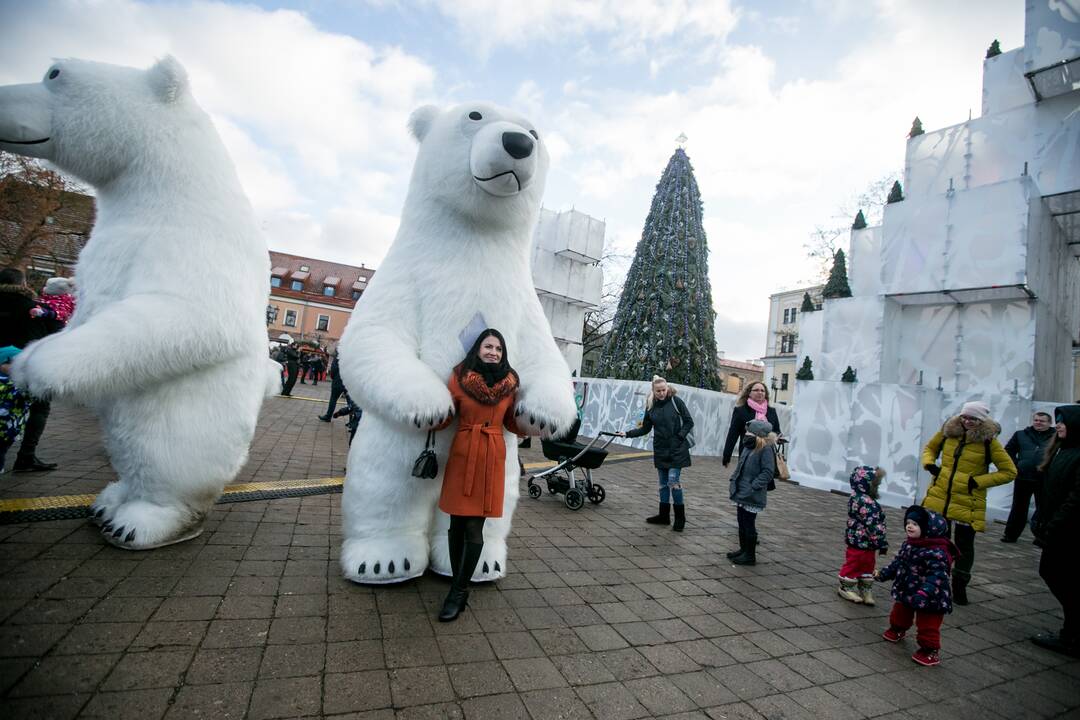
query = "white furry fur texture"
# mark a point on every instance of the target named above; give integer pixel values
(462, 251)
(168, 341)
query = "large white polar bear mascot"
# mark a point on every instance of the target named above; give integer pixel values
(460, 263)
(168, 342)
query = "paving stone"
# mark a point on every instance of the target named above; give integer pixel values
(151, 669)
(555, 704)
(479, 678)
(128, 705)
(660, 695)
(354, 656)
(224, 665)
(494, 706)
(285, 698)
(582, 669)
(612, 701)
(420, 686)
(293, 660)
(60, 674)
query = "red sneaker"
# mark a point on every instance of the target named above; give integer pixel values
(893, 636)
(927, 657)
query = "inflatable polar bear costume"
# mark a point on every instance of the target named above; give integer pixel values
(168, 341)
(459, 263)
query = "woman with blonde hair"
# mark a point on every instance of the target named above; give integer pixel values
(752, 404)
(667, 418)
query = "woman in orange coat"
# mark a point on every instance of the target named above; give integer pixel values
(483, 388)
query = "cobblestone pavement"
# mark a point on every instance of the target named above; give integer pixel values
(601, 615)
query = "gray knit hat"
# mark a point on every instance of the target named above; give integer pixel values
(760, 428)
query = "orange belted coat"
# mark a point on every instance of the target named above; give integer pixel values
(475, 475)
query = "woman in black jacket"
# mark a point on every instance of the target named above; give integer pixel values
(752, 403)
(1057, 529)
(669, 421)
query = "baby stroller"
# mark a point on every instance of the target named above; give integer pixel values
(570, 456)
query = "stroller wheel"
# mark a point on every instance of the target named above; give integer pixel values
(597, 494)
(534, 491)
(574, 499)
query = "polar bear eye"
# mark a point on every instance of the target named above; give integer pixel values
(534, 134)
(475, 116)
(54, 73)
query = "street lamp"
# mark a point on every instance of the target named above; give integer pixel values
(774, 386)
(271, 314)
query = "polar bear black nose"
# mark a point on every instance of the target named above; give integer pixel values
(519, 145)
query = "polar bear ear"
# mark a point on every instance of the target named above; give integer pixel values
(168, 79)
(421, 119)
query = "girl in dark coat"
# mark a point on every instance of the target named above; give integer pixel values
(667, 418)
(750, 485)
(921, 589)
(1057, 529)
(752, 404)
(866, 535)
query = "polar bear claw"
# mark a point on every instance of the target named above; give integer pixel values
(389, 559)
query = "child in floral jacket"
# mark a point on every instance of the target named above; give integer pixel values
(921, 589)
(865, 536)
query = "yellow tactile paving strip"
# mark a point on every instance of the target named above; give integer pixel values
(73, 506)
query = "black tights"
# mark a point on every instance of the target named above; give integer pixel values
(465, 539)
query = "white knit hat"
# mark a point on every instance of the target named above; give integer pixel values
(976, 409)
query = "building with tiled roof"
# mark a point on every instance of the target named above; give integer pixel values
(735, 374)
(312, 299)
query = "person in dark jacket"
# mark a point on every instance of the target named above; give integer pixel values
(865, 535)
(752, 403)
(292, 368)
(1027, 448)
(22, 321)
(336, 389)
(1057, 529)
(749, 487)
(921, 590)
(317, 365)
(667, 418)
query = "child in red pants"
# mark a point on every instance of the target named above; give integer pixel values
(865, 536)
(921, 588)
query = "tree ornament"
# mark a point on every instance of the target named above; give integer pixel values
(896, 194)
(837, 286)
(806, 372)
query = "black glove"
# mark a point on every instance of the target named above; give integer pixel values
(932, 469)
(972, 485)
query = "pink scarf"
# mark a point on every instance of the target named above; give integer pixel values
(758, 408)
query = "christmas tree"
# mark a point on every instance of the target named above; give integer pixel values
(837, 286)
(916, 128)
(807, 303)
(664, 322)
(994, 50)
(806, 372)
(848, 376)
(860, 221)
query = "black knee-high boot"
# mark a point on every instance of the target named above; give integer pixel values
(455, 541)
(458, 597)
(742, 546)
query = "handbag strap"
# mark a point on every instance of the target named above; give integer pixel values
(429, 444)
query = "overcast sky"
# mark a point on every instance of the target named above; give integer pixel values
(791, 107)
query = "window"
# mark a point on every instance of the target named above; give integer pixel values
(328, 291)
(356, 294)
(789, 315)
(297, 285)
(275, 281)
(793, 311)
(305, 268)
(323, 324)
(787, 343)
(290, 318)
(783, 381)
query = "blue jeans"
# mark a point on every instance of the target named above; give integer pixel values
(670, 487)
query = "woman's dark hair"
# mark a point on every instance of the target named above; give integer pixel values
(12, 276)
(472, 359)
(1051, 451)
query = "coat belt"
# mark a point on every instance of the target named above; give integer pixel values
(476, 435)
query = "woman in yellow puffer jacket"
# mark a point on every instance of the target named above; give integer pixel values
(968, 445)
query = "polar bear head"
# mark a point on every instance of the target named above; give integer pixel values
(479, 161)
(97, 121)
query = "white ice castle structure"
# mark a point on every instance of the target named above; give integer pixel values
(969, 288)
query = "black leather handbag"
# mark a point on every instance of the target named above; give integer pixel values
(427, 465)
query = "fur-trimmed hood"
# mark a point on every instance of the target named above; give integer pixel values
(985, 430)
(18, 290)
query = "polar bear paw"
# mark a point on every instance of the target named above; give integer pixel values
(384, 560)
(107, 501)
(491, 566)
(546, 408)
(142, 525)
(37, 370)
